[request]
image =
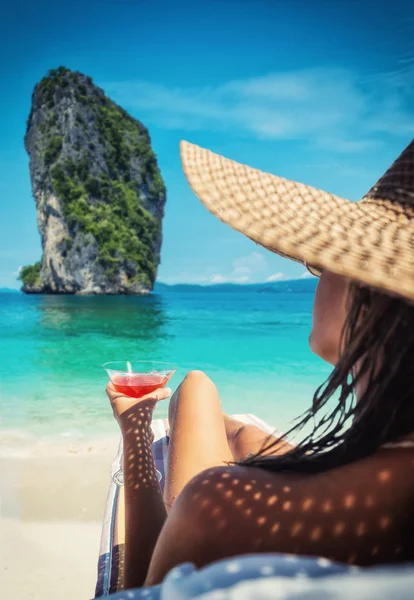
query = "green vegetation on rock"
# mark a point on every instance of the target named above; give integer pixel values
(30, 275)
(53, 149)
(48, 84)
(122, 228)
(100, 165)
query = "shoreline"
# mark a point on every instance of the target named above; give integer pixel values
(25, 444)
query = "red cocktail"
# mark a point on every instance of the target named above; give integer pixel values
(136, 379)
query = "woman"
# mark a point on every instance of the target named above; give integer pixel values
(346, 491)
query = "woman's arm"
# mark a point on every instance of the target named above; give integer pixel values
(144, 506)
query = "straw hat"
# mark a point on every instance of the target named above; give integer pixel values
(371, 241)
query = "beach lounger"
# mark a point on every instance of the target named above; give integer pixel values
(112, 538)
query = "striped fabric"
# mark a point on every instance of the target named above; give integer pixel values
(110, 564)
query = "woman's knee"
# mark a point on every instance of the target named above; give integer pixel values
(194, 385)
(198, 378)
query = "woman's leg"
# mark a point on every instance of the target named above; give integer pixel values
(198, 439)
(245, 439)
(202, 436)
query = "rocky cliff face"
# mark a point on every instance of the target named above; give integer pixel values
(98, 189)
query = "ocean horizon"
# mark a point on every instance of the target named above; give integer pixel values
(252, 340)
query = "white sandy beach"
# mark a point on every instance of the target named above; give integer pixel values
(52, 501)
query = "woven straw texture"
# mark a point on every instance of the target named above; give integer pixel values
(371, 241)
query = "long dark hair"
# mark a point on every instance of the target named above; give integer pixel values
(378, 336)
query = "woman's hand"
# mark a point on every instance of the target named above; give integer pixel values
(126, 408)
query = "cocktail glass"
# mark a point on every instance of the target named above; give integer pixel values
(138, 378)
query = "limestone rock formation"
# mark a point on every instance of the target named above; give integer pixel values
(99, 193)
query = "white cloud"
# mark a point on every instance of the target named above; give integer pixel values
(217, 279)
(337, 108)
(243, 270)
(249, 265)
(17, 273)
(276, 277)
(247, 268)
(203, 279)
(306, 275)
(229, 279)
(184, 278)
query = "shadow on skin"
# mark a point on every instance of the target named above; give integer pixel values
(237, 510)
(254, 515)
(137, 442)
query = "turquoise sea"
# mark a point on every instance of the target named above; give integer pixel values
(251, 340)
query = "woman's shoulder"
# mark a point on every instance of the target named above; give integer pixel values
(253, 509)
(373, 471)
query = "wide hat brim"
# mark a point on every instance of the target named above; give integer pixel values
(371, 241)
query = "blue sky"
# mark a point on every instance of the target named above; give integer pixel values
(321, 91)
